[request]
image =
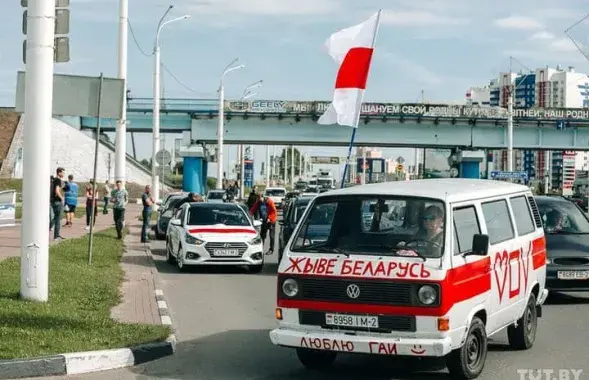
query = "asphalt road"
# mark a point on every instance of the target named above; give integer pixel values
(223, 318)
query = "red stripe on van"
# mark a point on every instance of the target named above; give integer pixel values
(539, 252)
(460, 284)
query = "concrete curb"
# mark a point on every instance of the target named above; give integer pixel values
(84, 362)
(94, 361)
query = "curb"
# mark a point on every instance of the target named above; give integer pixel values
(94, 361)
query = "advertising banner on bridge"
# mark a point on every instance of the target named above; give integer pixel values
(409, 110)
(7, 208)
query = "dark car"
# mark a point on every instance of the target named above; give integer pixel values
(566, 228)
(165, 215)
(288, 223)
(288, 198)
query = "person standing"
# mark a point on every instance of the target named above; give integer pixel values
(91, 205)
(57, 202)
(148, 201)
(107, 191)
(119, 197)
(71, 200)
(268, 213)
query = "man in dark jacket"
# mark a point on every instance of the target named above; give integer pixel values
(251, 201)
(192, 197)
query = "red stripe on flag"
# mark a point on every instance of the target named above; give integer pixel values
(353, 72)
(221, 231)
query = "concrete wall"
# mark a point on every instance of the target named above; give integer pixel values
(74, 150)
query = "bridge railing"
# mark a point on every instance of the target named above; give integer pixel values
(194, 105)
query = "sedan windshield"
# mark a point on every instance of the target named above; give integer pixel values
(373, 225)
(232, 215)
(561, 216)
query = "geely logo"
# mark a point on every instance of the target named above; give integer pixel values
(353, 291)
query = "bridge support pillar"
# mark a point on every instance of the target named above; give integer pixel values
(194, 174)
(470, 163)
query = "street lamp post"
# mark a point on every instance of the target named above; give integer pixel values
(221, 126)
(155, 184)
(247, 93)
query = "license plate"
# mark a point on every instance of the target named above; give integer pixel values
(344, 320)
(573, 275)
(226, 252)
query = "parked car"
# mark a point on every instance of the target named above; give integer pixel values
(166, 213)
(214, 234)
(277, 195)
(288, 198)
(291, 217)
(216, 196)
(566, 229)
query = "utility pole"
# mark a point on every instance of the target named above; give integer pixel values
(121, 129)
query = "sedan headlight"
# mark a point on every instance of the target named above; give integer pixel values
(290, 287)
(427, 295)
(255, 241)
(192, 240)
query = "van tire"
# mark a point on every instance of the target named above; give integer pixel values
(523, 336)
(468, 361)
(316, 359)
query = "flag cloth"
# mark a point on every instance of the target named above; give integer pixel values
(352, 49)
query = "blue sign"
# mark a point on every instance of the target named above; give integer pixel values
(560, 124)
(509, 175)
(248, 178)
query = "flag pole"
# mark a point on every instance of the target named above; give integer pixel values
(355, 128)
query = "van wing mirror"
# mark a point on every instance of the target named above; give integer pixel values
(480, 245)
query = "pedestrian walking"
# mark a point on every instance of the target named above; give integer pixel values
(71, 200)
(107, 191)
(148, 202)
(119, 197)
(91, 205)
(57, 202)
(268, 214)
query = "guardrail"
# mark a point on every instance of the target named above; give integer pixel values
(194, 105)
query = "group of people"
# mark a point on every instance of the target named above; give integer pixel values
(262, 207)
(64, 199)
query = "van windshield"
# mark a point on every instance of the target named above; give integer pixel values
(373, 225)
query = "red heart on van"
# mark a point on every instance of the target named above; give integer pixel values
(501, 261)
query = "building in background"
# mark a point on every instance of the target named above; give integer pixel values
(541, 88)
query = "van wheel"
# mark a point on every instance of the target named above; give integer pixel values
(523, 336)
(468, 361)
(315, 359)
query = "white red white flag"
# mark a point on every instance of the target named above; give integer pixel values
(352, 49)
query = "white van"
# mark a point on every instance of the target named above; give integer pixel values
(416, 268)
(277, 195)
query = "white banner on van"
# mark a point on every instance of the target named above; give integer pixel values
(7, 208)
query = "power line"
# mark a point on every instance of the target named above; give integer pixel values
(136, 41)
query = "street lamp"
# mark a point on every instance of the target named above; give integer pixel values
(156, 98)
(247, 93)
(221, 127)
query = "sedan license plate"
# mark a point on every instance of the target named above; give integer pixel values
(573, 275)
(344, 320)
(226, 252)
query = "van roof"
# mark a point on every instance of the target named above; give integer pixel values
(450, 189)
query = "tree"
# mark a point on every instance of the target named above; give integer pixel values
(146, 163)
(179, 167)
(288, 152)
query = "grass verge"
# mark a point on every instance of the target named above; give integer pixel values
(77, 316)
(80, 212)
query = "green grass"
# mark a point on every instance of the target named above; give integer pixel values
(80, 212)
(77, 316)
(153, 216)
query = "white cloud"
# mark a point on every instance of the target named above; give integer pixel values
(261, 7)
(417, 72)
(543, 35)
(518, 22)
(418, 18)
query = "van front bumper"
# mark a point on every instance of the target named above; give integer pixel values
(361, 344)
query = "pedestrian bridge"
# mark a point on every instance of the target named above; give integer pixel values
(279, 122)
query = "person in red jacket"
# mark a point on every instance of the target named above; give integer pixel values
(267, 210)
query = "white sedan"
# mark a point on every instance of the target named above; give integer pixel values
(214, 234)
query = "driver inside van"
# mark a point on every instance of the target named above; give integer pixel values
(431, 234)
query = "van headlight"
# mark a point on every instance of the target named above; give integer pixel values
(427, 295)
(255, 241)
(192, 240)
(290, 287)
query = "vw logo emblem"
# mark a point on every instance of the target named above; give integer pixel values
(353, 291)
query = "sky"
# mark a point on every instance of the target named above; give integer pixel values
(440, 47)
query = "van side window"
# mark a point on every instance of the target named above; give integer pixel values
(522, 215)
(466, 225)
(499, 226)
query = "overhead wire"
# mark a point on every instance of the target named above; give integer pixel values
(166, 69)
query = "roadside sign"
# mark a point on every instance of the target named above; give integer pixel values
(509, 175)
(61, 50)
(400, 160)
(325, 160)
(163, 157)
(58, 3)
(62, 21)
